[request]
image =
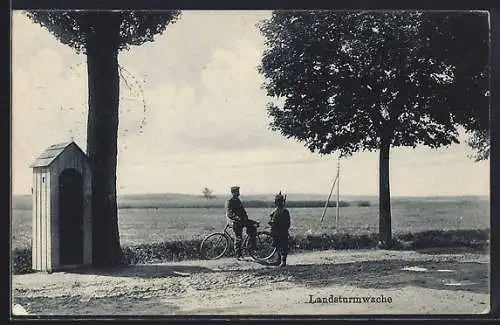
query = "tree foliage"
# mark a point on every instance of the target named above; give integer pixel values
(480, 143)
(462, 40)
(345, 79)
(352, 81)
(73, 28)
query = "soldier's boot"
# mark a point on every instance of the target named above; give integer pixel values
(237, 248)
(283, 260)
(253, 243)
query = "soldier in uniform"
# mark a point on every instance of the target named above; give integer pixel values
(280, 224)
(238, 216)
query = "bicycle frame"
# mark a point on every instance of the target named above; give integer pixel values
(226, 231)
(229, 233)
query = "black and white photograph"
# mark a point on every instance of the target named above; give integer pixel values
(250, 162)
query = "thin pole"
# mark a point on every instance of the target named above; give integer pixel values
(338, 195)
(328, 200)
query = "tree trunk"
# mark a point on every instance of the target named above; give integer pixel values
(385, 230)
(102, 135)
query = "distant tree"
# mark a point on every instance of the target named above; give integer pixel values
(101, 35)
(207, 193)
(352, 81)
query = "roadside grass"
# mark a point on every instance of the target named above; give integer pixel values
(169, 251)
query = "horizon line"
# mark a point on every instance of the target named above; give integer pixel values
(289, 193)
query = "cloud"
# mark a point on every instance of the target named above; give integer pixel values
(185, 47)
(229, 115)
(41, 116)
(205, 119)
(232, 113)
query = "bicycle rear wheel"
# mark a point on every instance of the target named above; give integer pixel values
(264, 249)
(214, 246)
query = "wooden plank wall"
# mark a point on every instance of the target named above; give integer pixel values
(46, 199)
(41, 220)
(34, 226)
(54, 200)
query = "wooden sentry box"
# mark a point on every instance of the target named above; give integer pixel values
(62, 223)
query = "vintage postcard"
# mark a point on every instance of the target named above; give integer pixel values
(205, 162)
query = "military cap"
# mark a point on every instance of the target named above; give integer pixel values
(235, 188)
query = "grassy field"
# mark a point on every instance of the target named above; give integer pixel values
(159, 218)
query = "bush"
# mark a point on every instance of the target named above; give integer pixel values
(332, 241)
(364, 204)
(21, 260)
(447, 238)
(162, 252)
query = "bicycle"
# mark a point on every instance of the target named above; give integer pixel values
(215, 245)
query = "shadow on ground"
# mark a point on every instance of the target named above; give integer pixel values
(380, 274)
(375, 274)
(453, 250)
(148, 271)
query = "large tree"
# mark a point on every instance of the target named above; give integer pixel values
(352, 81)
(101, 35)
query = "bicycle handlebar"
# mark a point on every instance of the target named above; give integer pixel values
(229, 224)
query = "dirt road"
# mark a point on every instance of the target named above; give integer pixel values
(346, 282)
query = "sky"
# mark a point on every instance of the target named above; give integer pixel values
(197, 94)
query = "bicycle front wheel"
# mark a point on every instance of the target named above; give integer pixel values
(214, 246)
(264, 247)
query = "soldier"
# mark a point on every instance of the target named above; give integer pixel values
(280, 223)
(237, 214)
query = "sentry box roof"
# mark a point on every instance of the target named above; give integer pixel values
(50, 154)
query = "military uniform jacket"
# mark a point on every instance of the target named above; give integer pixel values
(280, 221)
(235, 210)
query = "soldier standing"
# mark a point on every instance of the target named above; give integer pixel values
(280, 224)
(238, 215)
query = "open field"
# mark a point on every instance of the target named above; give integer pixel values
(158, 224)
